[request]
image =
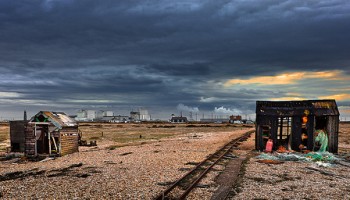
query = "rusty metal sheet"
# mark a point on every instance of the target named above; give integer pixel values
(59, 119)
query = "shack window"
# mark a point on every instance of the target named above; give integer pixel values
(284, 132)
(304, 132)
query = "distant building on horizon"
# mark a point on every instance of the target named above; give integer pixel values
(144, 115)
(109, 116)
(108, 113)
(86, 115)
(120, 119)
(93, 115)
(178, 119)
(235, 117)
(140, 115)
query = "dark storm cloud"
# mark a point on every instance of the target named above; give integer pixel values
(194, 69)
(164, 52)
(255, 33)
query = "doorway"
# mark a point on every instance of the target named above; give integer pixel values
(284, 131)
(42, 141)
(320, 124)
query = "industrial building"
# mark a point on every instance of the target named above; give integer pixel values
(93, 115)
(108, 113)
(109, 116)
(140, 115)
(120, 119)
(86, 115)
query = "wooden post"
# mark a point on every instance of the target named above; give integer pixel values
(48, 134)
(296, 132)
(310, 125)
(54, 142)
(35, 146)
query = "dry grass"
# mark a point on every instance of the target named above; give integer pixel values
(129, 134)
(135, 133)
(118, 135)
(4, 131)
(4, 136)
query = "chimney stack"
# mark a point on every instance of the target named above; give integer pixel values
(25, 116)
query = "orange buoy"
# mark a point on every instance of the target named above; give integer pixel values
(304, 120)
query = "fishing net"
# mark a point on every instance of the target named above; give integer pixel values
(324, 159)
(321, 158)
(322, 139)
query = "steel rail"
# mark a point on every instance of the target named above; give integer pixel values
(229, 145)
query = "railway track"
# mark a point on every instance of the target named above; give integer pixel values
(183, 186)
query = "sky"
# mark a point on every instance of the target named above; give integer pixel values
(201, 56)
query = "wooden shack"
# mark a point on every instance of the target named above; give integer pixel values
(51, 133)
(292, 124)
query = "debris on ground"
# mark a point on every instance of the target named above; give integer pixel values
(85, 143)
(47, 159)
(275, 162)
(322, 159)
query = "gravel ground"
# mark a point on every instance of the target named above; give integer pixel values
(131, 172)
(143, 171)
(294, 180)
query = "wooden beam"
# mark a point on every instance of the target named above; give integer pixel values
(54, 142)
(49, 137)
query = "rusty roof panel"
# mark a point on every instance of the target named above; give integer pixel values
(59, 119)
(290, 108)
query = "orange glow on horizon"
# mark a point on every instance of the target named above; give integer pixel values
(288, 99)
(288, 78)
(338, 97)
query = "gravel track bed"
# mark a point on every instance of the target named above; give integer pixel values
(130, 172)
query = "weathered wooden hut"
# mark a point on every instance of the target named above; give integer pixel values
(51, 133)
(292, 124)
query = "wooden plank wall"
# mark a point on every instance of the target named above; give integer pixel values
(17, 134)
(69, 140)
(310, 132)
(29, 141)
(296, 132)
(333, 131)
(265, 121)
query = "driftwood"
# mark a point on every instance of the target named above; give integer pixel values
(127, 153)
(36, 172)
(327, 173)
(346, 164)
(21, 174)
(321, 171)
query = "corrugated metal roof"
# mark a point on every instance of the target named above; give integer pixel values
(59, 119)
(316, 107)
